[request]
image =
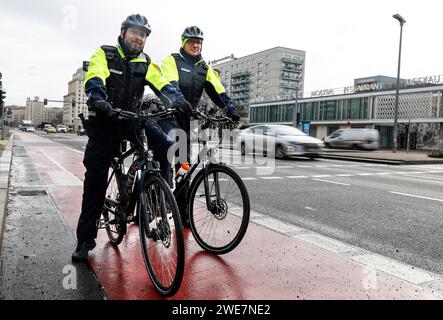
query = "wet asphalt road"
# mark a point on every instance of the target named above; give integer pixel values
(391, 210)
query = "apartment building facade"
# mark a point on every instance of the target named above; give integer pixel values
(270, 75)
(74, 102)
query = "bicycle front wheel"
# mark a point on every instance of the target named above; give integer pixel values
(161, 236)
(219, 226)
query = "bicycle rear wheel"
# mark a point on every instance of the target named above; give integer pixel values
(221, 227)
(114, 216)
(161, 235)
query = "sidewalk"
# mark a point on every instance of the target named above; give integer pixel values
(5, 167)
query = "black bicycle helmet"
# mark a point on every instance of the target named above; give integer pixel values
(137, 21)
(192, 32)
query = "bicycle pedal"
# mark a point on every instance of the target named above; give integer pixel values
(101, 224)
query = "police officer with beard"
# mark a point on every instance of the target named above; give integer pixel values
(116, 78)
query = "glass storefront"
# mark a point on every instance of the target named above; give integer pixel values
(340, 109)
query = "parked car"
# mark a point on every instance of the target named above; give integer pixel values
(51, 129)
(287, 141)
(61, 128)
(353, 139)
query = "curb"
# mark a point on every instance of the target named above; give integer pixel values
(370, 160)
(381, 160)
(5, 167)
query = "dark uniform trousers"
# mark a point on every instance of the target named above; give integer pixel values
(167, 125)
(101, 148)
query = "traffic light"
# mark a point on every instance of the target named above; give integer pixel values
(298, 119)
(2, 96)
(85, 66)
(45, 102)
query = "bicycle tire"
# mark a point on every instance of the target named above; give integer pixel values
(206, 226)
(113, 214)
(161, 235)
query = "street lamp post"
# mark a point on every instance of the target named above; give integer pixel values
(294, 109)
(402, 22)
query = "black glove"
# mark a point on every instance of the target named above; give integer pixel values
(102, 108)
(184, 108)
(233, 116)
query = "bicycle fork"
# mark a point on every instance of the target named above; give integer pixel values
(214, 206)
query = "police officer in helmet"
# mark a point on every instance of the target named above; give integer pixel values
(116, 78)
(189, 73)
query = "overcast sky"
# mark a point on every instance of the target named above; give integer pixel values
(44, 42)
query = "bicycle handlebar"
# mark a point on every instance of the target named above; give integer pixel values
(212, 120)
(142, 115)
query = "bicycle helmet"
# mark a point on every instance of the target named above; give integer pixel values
(137, 21)
(192, 32)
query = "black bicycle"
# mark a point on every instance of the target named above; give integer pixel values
(143, 191)
(218, 201)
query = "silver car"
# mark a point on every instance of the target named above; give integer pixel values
(61, 129)
(283, 141)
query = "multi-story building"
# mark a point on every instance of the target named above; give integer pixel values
(370, 103)
(34, 111)
(74, 102)
(15, 115)
(38, 113)
(270, 75)
(53, 115)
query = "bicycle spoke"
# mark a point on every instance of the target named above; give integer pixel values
(162, 246)
(218, 226)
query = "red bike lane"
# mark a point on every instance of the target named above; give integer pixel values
(267, 265)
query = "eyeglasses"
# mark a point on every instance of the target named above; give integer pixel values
(193, 42)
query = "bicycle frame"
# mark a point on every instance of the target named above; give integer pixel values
(145, 164)
(206, 163)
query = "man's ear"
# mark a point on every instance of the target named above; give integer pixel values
(122, 33)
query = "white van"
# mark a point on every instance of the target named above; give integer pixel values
(353, 139)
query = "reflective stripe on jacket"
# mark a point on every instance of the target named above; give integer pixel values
(112, 78)
(192, 79)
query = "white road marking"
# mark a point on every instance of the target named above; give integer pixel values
(63, 177)
(334, 182)
(277, 225)
(296, 177)
(322, 176)
(425, 178)
(327, 243)
(271, 178)
(395, 268)
(415, 196)
(246, 179)
(419, 277)
(345, 175)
